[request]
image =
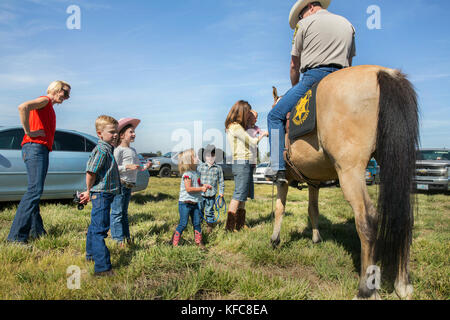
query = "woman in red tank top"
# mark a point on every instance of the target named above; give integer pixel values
(39, 124)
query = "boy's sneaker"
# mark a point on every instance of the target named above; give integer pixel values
(22, 244)
(107, 273)
(176, 238)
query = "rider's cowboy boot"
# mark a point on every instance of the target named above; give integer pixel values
(278, 177)
(231, 221)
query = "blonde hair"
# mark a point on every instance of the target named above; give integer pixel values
(102, 121)
(238, 113)
(56, 86)
(186, 161)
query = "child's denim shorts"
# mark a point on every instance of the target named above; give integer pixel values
(243, 181)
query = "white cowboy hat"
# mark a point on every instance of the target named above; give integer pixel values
(126, 121)
(298, 7)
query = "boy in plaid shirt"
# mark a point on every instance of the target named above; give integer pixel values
(103, 183)
(212, 174)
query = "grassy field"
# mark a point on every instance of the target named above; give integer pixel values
(239, 265)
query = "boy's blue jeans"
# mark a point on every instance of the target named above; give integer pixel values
(187, 210)
(276, 118)
(120, 228)
(28, 218)
(207, 206)
(98, 230)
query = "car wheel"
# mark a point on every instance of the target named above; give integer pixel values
(164, 172)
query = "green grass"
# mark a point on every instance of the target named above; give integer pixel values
(240, 265)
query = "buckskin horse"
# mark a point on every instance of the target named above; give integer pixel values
(363, 112)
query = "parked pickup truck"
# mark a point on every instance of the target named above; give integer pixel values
(167, 165)
(164, 166)
(433, 169)
(372, 171)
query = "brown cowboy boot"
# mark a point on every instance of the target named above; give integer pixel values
(240, 220)
(231, 221)
(198, 239)
(210, 227)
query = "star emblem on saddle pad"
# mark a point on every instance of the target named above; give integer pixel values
(302, 108)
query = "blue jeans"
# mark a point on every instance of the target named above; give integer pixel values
(98, 230)
(187, 210)
(276, 118)
(120, 228)
(207, 206)
(28, 218)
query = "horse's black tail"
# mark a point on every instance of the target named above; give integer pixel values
(397, 140)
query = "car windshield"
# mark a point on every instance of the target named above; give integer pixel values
(433, 155)
(167, 155)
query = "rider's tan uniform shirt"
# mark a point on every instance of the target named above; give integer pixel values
(324, 38)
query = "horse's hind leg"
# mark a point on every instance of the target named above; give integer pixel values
(282, 191)
(354, 187)
(403, 288)
(313, 212)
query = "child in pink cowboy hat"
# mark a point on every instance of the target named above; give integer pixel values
(129, 164)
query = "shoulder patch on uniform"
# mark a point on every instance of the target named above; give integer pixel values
(295, 33)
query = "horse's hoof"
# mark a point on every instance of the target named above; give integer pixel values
(316, 237)
(404, 292)
(374, 296)
(275, 242)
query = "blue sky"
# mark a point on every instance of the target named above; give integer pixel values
(179, 66)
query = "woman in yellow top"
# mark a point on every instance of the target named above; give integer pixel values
(240, 143)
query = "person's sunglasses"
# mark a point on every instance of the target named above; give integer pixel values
(300, 16)
(66, 93)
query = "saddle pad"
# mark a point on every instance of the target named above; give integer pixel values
(303, 115)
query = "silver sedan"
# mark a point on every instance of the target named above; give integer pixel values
(66, 173)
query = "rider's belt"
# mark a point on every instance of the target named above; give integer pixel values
(190, 202)
(332, 65)
(127, 184)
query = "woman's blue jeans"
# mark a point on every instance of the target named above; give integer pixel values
(276, 118)
(28, 218)
(120, 228)
(187, 210)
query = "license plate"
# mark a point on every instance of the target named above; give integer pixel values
(422, 187)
